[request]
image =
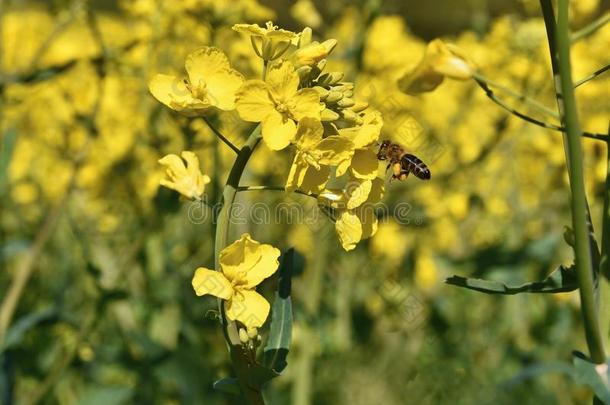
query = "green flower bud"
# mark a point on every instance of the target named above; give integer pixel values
(333, 96)
(360, 106)
(346, 102)
(329, 115)
(322, 92)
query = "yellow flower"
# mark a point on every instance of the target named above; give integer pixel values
(310, 169)
(354, 211)
(277, 103)
(211, 83)
(270, 42)
(440, 60)
(244, 264)
(363, 164)
(187, 180)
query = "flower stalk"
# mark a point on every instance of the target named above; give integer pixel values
(582, 248)
(240, 359)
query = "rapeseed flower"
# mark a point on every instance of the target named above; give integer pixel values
(185, 179)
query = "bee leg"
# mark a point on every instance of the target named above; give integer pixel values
(403, 175)
(396, 170)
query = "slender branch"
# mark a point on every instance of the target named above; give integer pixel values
(521, 97)
(584, 265)
(26, 266)
(591, 28)
(483, 84)
(221, 136)
(274, 188)
(591, 76)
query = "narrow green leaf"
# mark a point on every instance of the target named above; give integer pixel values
(228, 386)
(563, 279)
(7, 145)
(16, 332)
(595, 376)
(280, 334)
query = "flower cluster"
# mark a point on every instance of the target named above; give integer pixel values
(297, 104)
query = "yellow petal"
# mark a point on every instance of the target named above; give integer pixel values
(222, 88)
(309, 133)
(210, 68)
(343, 167)
(264, 268)
(283, 81)
(238, 257)
(368, 221)
(210, 282)
(296, 174)
(365, 164)
(205, 62)
(278, 131)
(249, 308)
(377, 190)
(358, 193)
(334, 150)
(314, 180)
(253, 101)
(172, 92)
(250, 29)
(349, 230)
(175, 166)
(306, 103)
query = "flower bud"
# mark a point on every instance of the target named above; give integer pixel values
(346, 102)
(322, 92)
(304, 71)
(305, 38)
(360, 106)
(333, 96)
(329, 115)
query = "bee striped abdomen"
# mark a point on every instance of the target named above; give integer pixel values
(413, 164)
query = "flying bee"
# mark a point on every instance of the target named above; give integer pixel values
(402, 163)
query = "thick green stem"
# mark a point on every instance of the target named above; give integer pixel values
(582, 252)
(239, 357)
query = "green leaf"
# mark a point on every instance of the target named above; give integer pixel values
(7, 145)
(228, 386)
(563, 279)
(280, 334)
(595, 376)
(16, 333)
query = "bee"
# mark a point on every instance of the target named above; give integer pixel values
(402, 163)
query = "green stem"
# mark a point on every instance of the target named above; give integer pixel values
(521, 97)
(221, 136)
(484, 84)
(274, 188)
(591, 76)
(241, 362)
(584, 265)
(591, 28)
